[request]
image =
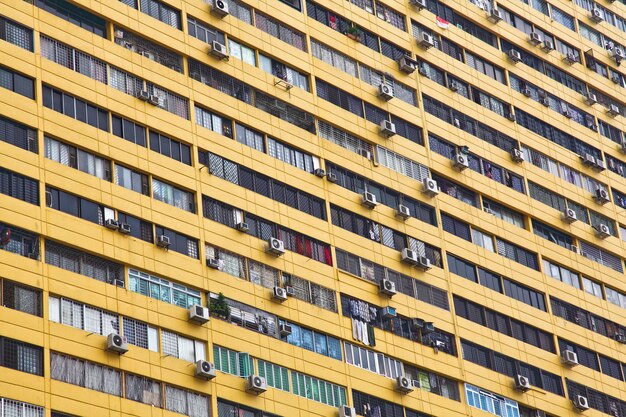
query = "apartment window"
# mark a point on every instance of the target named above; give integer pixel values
(462, 268)
(19, 241)
(75, 15)
(19, 135)
(162, 12)
(19, 186)
(187, 402)
(284, 72)
(76, 206)
(82, 316)
(334, 58)
(601, 256)
(129, 130)
(344, 139)
(503, 213)
(162, 289)
(318, 390)
(291, 155)
(242, 52)
(73, 157)
(132, 179)
(182, 347)
(491, 403)
(279, 30)
(524, 294)
(170, 148)
(21, 356)
(225, 408)
(12, 408)
(142, 389)
(73, 59)
(369, 405)
(16, 34)
(75, 108)
(140, 229)
(310, 292)
(401, 164)
(173, 196)
(517, 253)
(586, 357)
(20, 297)
(85, 374)
(597, 399)
(17, 82)
(275, 376)
(456, 227)
(314, 341)
(592, 287)
(214, 122)
(456, 190)
(204, 32)
(83, 263)
(552, 234)
(372, 361)
(586, 319)
(140, 334)
(148, 49)
(231, 362)
(178, 242)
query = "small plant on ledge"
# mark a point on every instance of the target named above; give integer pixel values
(353, 32)
(219, 308)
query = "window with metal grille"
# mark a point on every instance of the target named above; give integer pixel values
(16, 34)
(182, 347)
(187, 402)
(517, 253)
(162, 12)
(162, 289)
(12, 408)
(140, 334)
(83, 263)
(19, 241)
(148, 49)
(20, 297)
(21, 356)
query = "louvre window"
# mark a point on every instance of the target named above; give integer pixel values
(20, 297)
(73, 157)
(162, 289)
(318, 390)
(16, 34)
(19, 241)
(75, 108)
(275, 376)
(18, 135)
(231, 362)
(83, 263)
(21, 356)
(19, 186)
(17, 82)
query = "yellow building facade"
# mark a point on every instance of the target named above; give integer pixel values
(387, 208)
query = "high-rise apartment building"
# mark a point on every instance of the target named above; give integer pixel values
(390, 208)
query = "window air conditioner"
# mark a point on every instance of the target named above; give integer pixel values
(111, 224)
(409, 256)
(613, 110)
(163, 241)
(547, 45)
(319, 172)
(345, 411)
(407, 64)
(284, 329)
(495, 15)
(602, 196)
(420, 4)
(514, 56)
(590, 99)
(535, 38)
(125, 228)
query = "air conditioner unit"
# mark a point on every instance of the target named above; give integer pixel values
(547, 45)
(613, 110)
(218, 50)
(588, 159)
(569, 215)
(154, 100)
(319, 172)
(368, 200)
(119, 34)
(214, 263)
(117, 343)
(426, 41)
(163, 241)
(111, 224)
(526, 91)
(602, 231)
(124, 229)
(387, 129)
(619, 337)
(332, 177)
(602, 196)
(460, 161)
(510, 115)
(365, 153)
(387, 287)
(514, 56)
(279, 294)
(545, 101)
(569, 357)
(495, 15)
(428, 327)
(517, 155)
(570, 58)
(403, 212)
(388, 312)
(275, 246)
(617, 54)
(118, 282)
(409, 256)
(423, 263)
(407, 64)
(430, 187)
(600, 165)
(453, 85)
(581, 402)
(143, 95)
(420, 4)
(219, 8)
(345, 411)
(522, 383)
(404, 384)
(616, 78)
(291, 291)
(148, 55)
(284, 329)
(590, 99)
(596, 15)
(242, 227)
(256, 384)
(567, 113)
(198, 314)
(535, 38)
(205, 369)
(385, 92)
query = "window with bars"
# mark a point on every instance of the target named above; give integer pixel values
(173, 196)
(291, 155)
(344, 139)
(148, 49)
(162, 12)
(187, 402)
(20, 297)
(368, 405)
(73, 59)
(601, 256)
(279, 30)
(597, 400)
(82, 316)
(21, 356)
(516, 253)
(13, 408)
(18, 134)
(76, 158)
(401, 164)
(75, 108)
(17, 82)
(16, 34)
(141, 334)
(162, 289)
(586, 319)
(214, 122)
(83, 263)
(19, 241)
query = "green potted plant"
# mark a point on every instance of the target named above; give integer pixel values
(353, 32)
(218, 307)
